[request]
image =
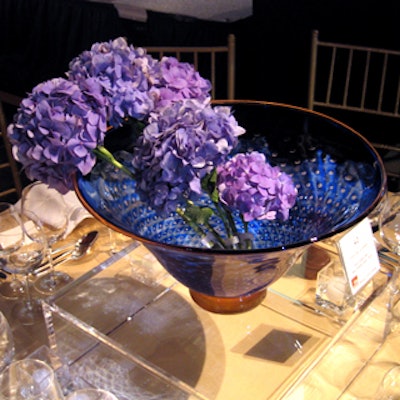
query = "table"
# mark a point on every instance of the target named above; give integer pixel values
(127, 325)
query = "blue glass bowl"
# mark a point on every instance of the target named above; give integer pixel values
(340, 180)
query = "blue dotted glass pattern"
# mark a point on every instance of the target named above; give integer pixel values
(340, 180)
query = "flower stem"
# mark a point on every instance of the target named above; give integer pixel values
(200, 231)
(104, 154)
(249, 242)
(222, 214)
(229, 224)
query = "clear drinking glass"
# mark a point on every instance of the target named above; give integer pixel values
(51, 211)
(333, 291)
(13, 288)
(29, 379)
(389, 230)
(24, 248)
(24, 261)
(390, 386)
(389, 223)
(7, 349)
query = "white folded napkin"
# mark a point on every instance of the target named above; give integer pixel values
(48, 211)
(75, 210)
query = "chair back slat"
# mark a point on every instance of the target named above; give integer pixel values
(212, 62)
(374, 94)
(360, 79)
(10, 182)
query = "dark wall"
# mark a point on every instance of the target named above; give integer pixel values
(40, 37)
(273, 48)
(274, 45)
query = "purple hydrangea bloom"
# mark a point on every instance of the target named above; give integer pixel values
(179, 80)
(56, 128)
(124, 73)
(247, 183)
(180, 145)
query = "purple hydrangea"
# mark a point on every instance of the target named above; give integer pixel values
(247, 183)
(181, 144)
(60, 127)
(124, 73)
(179, 80)
(56, 128)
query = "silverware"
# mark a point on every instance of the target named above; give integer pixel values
(73, 244)
(82, 246)
(389, 257)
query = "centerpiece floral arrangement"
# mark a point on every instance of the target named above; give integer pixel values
(183, 149)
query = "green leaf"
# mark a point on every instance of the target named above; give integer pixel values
(200, 215)
(209, 185)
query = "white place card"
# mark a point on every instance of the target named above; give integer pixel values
(359, 256)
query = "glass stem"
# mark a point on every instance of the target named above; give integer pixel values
(28, 297)
(52, 281)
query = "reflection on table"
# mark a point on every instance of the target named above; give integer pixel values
(124, 323)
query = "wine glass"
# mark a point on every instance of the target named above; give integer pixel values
(389, 222)
(27, 247)
(7, 348)
(390, 386)
(11, 289)
(29, 379)
(51, 211)
(389, 230)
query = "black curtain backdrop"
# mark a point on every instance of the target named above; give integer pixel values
(277, 40)
(40, 37)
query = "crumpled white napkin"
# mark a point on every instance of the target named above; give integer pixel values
(75, 210)
(41, 198)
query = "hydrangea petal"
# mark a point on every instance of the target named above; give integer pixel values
(247, 183)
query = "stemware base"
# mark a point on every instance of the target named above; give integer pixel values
(228, 305)
(12, 290)
(27, 313)
(51, 282)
